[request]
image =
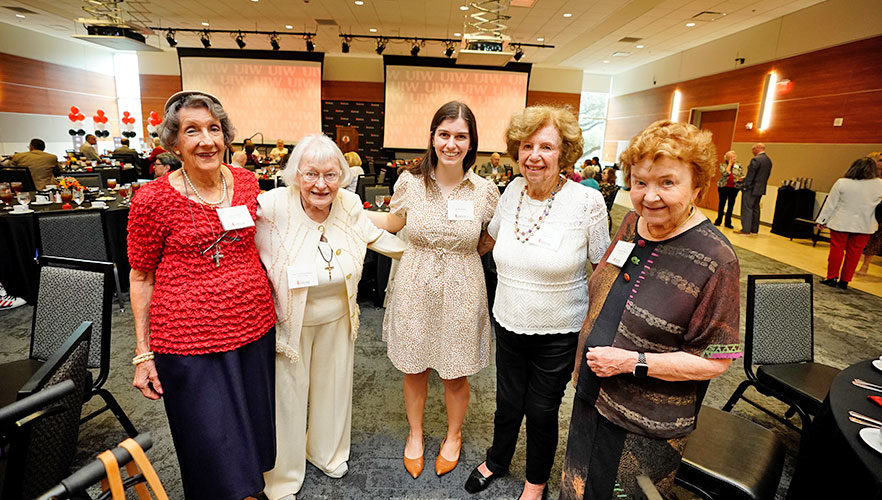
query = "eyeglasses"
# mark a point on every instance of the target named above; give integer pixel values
(329, 177)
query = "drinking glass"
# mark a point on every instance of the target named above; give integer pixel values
(6, 195)
(111, 183)
(135, 187)
(66, 196)
(79, 196)
(124, 193)
(387, 198)
(23, 197)
(378, 201)
(16, 186)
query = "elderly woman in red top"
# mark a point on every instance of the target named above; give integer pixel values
(204, 316)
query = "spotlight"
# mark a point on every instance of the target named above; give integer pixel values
(206, 39)
(519, 53)
(240, 40)
(381, 46)
(274, 41)
(449, 49)
(170, 38)
(310, 46)
(345, 45)
(415, 50)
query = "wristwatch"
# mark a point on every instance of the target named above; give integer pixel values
(641, 369)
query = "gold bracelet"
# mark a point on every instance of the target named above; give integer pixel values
(147, 356)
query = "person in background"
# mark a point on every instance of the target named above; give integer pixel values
(662, 322)
(124, 148)
(203, 308)
(598, 168)
(276, 153)
(252, 161)
(354, 162)
(88, 148)
(571, 174)
(314, 226)
(607, 185)
(753, 188)
(731, 177)
(437, 317)
(239, 158)
(151, 158)
(874, 245)
(588, 179)
(43, 166)
(165, 163)
(850, 213)
(491, 169)
(541, 253)
(9, 302)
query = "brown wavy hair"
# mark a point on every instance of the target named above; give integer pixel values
(450, 111)
(678, 141)
(531, 119)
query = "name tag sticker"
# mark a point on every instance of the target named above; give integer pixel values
(236, 217)
(547, 238)
(460, 210)
(300, 277)
(620, 253)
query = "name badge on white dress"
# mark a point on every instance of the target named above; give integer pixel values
(301, 277)
(620, 253)
(460, 210)
(547, 238)
(237, 217)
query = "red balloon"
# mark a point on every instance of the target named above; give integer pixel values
(81, 117)
(96, 119)
(126, 114)
(103, 119)
(100, 112)
(72, 117)
(153, 114)
(74, 110)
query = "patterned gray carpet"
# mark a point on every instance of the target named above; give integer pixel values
(845, 332)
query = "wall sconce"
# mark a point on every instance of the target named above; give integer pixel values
(675, 106)
(765, 115)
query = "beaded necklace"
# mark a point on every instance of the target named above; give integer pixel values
(203, 200)
(535, 227)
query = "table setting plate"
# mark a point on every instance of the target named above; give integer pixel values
(28, 211)
(872, 437)
(41, 203)
(877, 364)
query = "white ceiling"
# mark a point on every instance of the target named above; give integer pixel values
(586, 40)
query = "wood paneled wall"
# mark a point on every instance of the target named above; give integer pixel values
(353, 91)
(155, 90)
(839, 82)
(37, 87)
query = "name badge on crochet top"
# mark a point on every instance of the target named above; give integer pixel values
(548, 238)
(301, 277)
(460, 210)
(620, 253)
(236, 217)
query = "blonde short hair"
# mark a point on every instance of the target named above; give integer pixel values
(531, 119)
(353, 159)
(875, 155)
(678, 141)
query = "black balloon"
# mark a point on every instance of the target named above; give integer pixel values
(72, 132)
(81, 132)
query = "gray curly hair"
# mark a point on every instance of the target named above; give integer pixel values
(168, 130)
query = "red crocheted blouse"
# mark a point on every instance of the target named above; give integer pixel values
(198, 307)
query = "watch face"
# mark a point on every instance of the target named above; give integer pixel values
(641, 370)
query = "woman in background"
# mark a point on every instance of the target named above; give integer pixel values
(728, 186)
(354, 162)
(874, 245)
(277, 152)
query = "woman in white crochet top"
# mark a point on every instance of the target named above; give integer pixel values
(546, 230)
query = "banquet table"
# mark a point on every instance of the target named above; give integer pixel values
(18, 246)
(833, 461)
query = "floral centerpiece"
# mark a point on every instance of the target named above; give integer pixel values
(69, 183)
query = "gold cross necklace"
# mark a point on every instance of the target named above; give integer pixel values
(329, 267)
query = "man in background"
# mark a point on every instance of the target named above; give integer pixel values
(42, 165)
(753, 188)
(239, 159)
(492, 168)
(88, 148)
(124, 149)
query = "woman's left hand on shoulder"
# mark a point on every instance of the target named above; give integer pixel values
(607, 361)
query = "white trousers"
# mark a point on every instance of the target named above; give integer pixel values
(320, 384)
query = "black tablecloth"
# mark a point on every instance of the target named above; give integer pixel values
(18, 246)
(792, 204)
(833, 461)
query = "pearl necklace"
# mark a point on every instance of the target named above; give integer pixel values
(203, 200)
(535, 227)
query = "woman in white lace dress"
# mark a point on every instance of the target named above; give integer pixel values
(547, 229)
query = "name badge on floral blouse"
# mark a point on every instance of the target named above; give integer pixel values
(460, 210)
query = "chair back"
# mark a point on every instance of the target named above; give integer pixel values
(381, 179)
(363, 181)
(88, 179)
(610, 199)
(72, 291)
(780, 319)
(18, 174)
(110, 173)
(75, 234)
(371, 192)
(42, 449)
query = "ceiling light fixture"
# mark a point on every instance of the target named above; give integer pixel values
(689, 25)
(20, 16)
(170, 38)
(373, 30)
(240, 40)
(639, 46)
(605, 61)
(381, 46)
(567, 14)
(449, 49)
(540, 39)
(463, 7)
(457, 34)
(289, 27)
(415, 50)
(204, 24)
(344, 45)
(206, 39)
(359, 2)
(519, 53)
(310, 46)
(274, 41)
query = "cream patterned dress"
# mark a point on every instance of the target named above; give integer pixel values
(437, 317)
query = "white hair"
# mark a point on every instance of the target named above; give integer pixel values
(317, 148)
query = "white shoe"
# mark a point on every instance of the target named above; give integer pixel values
(9, 302)
(339, 472)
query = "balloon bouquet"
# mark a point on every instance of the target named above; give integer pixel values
(128, 124)
(77, 119)
(100, 120)
(153, 122)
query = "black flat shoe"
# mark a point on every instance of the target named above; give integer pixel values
(477, 482)
(842, 284)
(829, 282)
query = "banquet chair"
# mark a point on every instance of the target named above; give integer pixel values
(371, 192)
(110, 173)
(364, 181)
(779, 339)
(18, 174)
(42, 443)
(728, 457)
(80, 234)
(87, 179)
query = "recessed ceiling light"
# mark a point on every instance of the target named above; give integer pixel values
(457, 34)
(689, 25)
(288, 26)
(605, 61)
(540, 39)
(204, 24)
(567, 14)
(20, 15)
(463, 7)
(255, 0)
(639, 46)
(359, 2)
(373, 30)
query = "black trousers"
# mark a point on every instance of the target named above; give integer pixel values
(532, 372)
(727, 198)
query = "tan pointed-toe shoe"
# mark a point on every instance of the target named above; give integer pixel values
(442, 465)
(414, 466)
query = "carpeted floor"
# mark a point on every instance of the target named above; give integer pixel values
(845, 332)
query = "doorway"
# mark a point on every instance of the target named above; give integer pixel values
(721, 123)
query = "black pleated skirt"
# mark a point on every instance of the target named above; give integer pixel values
(221, 410)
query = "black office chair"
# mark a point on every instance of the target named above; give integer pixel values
(728, 457)
(42, 444)
(363, 181)
(18, 174)
(72, 291)
(817, 234)
(779, 338)
(80, 234)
